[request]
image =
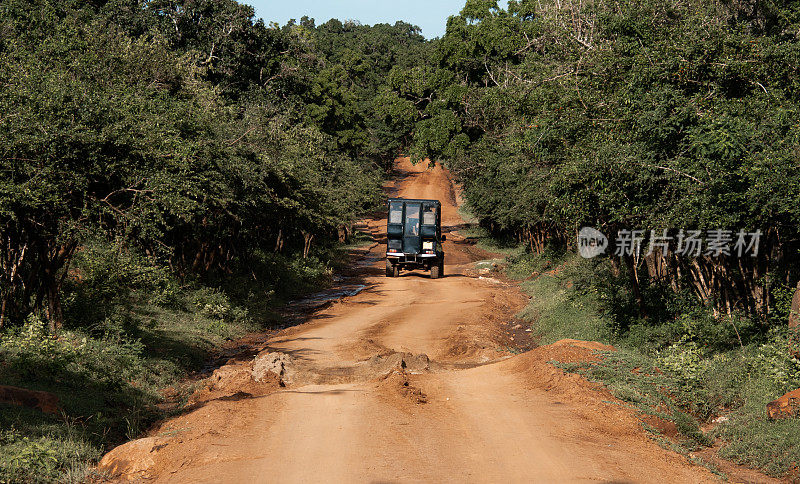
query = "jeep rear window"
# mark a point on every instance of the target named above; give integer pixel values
(396, 213)
(429, 216)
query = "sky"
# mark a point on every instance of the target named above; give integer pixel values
(429, 15)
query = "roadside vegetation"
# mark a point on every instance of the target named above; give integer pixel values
(687, 368)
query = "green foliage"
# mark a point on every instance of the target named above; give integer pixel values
(556, 310)
(217, 306)
(43, 459)
(350, 96)
(637, 115)
(198, 142)
(32, 353)
(526, 265)
(755, 441)
(108, 278)
(108, 381)
(777, 362)
(782, 295)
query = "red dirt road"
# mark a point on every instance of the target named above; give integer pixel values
(471, 412)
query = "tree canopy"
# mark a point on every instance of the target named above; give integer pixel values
(627, 115)
(204, 136)
(189, 130)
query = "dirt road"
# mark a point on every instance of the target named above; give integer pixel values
(410, 380)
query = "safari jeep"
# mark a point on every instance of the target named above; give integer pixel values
(414, 237)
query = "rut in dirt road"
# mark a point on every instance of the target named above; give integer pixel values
(407, 381)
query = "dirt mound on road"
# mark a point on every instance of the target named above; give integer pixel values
(383, 365)
(397, 382)
(132, 460)
(267, 365)
(536, 368)
(255, 377)
(574, 350)
(211, 411)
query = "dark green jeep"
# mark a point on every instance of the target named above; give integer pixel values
(414, 237)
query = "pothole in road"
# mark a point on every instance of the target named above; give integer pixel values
(320, 298)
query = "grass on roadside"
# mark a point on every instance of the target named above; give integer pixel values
(108, 387)
(685, 370)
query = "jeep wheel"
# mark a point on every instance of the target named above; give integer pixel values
(390, 269)
(435, 271)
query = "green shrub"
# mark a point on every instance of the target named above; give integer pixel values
(108, 383)
(34, 354)
(686, 361)
(44, 458)
(559, 313)
(777, 361)
(687, 426)
(211, 302)
(509, 246)
(764, 373)
(527, 265)
(108, 279)
(781, 297)
(688, 366)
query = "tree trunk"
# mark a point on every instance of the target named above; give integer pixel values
(55, 315)
(615, 269)
(794, 312)
(307, 238)
(53, 275)
(637, 293)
